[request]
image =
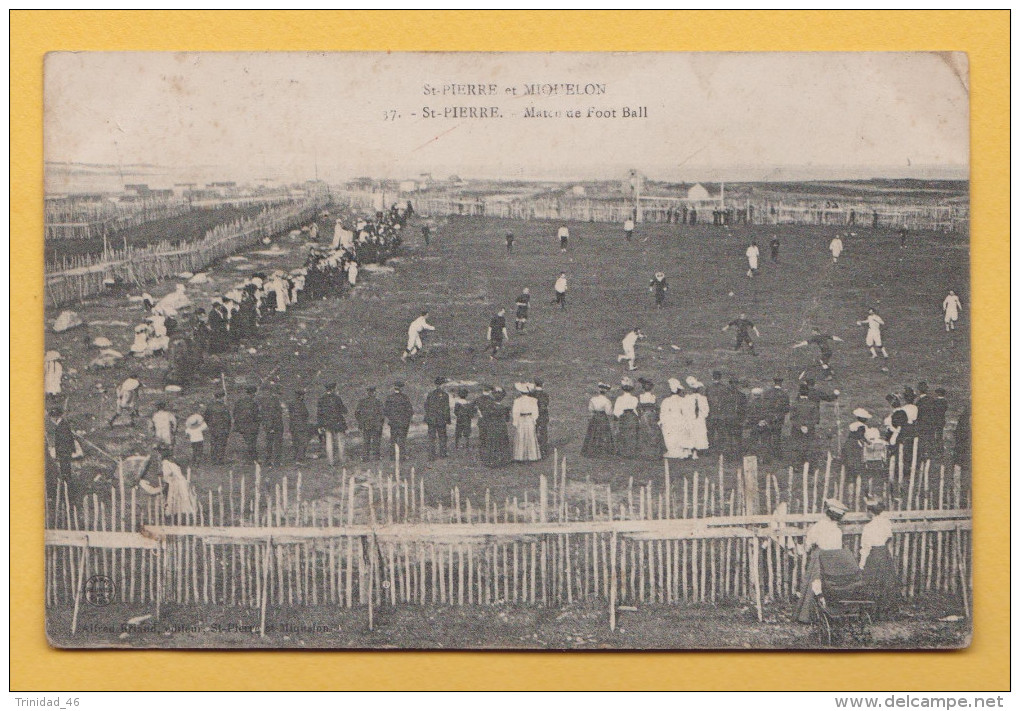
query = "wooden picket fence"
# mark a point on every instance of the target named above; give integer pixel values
(259, 544)
(935, 217)
(165, 261)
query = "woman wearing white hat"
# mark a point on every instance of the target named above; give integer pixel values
(864, 443)
(54, 373)
(671, 421)
(697, 405)
(824, 539)
(525, 417)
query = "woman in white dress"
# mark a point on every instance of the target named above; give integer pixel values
(697, 414)
(180, 497)
(54, 374)
(672, 423)
(525, 417)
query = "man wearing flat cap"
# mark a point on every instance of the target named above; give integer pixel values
(369, 415)
(437, 417)
(331, 413)
(398, 412)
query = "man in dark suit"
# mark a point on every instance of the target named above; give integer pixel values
(437, 417)
(369, 415)
(777, 405)
(330, 413)
(271, 421)
(398, 411)
(246, 421)
(62, 450)
(300, 431)
(718, 412)
(217, 417)
(542, 421)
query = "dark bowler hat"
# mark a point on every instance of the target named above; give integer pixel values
(251, 389)
(440, 380)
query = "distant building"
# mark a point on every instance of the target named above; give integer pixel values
(698, 192)
(408, 186)
(578, 191)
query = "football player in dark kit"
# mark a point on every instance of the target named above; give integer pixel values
(743, 327)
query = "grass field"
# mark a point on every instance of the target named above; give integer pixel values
(465, 275)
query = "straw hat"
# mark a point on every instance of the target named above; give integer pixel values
(861, 412)
(675, 385)
(51, 356)
(836, 506)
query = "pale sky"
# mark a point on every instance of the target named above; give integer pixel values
(249, 114)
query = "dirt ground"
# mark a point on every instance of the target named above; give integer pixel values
(936, 622)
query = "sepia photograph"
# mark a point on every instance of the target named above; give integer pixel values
(493, 350)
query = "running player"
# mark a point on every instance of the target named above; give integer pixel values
(744, 328)
(414, 331)
(873, 340)
(824, 342)
(629, 342)
(951, 307)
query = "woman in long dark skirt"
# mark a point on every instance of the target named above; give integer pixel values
(598, 442)
(625, 412)
(883, 584)
(649, 434)
(498, 452)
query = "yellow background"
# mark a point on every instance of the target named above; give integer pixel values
(984, 35)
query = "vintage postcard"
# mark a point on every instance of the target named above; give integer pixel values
(507, 350)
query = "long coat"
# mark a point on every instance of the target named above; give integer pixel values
(330, 412)
(398, 412)
(217, 416)
(437, 408)
(369, 414)
(246, 415)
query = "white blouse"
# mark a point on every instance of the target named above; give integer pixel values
(600, 403)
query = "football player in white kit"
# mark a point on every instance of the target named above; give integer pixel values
(752, 259)
(629, 342)
(836, 248)
(873, 339)
(951, 307)
(414, 344)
